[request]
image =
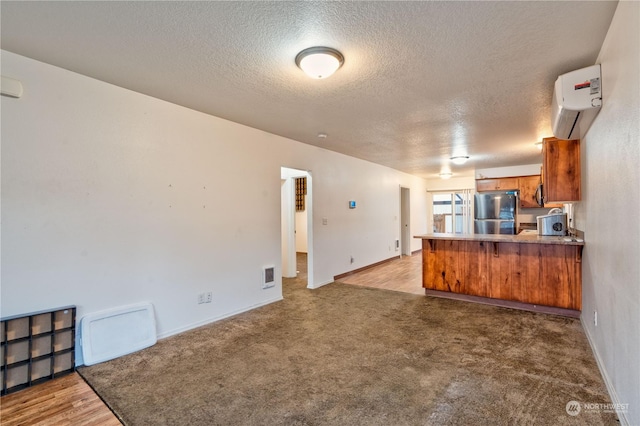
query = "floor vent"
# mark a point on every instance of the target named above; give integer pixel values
(268, 277)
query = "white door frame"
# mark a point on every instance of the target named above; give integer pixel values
(405, 221)
(287, 222)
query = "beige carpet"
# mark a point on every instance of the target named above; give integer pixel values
(346, 355)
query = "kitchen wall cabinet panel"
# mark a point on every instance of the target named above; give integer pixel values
(561, 170)
(501, 184)
(528, 186)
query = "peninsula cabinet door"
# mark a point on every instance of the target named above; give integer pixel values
(456, 266)
(537, 274)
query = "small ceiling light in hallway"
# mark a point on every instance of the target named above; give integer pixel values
(319, 62)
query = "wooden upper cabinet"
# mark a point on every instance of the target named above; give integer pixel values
(527, 185)
(529, 196)
(501, 184)
(561, 170)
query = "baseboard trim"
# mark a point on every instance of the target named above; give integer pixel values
(504, 303)
(364, 268)
(315, 286)
(78, 350)
(607, 381)
(217, 318)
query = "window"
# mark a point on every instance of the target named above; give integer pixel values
(301, 192)
(452, 211)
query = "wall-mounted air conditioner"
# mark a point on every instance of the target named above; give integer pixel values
(577, 98)
(10, 87)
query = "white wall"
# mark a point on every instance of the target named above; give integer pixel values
(110, 197)
(499, 172)
(452, 184)
(608, 214)
(368, 232)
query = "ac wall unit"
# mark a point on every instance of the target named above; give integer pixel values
(10, 87)
(577, 98)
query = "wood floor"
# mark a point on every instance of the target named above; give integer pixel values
(67, 400)
(402, 274)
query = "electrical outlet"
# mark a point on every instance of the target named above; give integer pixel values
(595, 318)
(201, 298)
(209, 297)
(351, 259)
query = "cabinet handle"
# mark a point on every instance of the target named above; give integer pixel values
(538, 196)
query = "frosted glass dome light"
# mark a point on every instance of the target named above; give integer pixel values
(319, 62)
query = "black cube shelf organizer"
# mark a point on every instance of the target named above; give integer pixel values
(37, 347)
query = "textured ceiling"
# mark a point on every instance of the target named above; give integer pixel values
(421, 82)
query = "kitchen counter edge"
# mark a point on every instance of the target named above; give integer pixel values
(500, 238)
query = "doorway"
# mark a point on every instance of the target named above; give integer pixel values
(296, 224)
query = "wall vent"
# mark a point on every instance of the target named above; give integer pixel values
(268, 277)
(118, 331)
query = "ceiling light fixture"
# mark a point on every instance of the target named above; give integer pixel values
(319, 62)
(460, 159)
(445, 175)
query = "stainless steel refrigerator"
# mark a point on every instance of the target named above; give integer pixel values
(495, 212)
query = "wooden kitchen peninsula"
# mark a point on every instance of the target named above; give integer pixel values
(529, 272)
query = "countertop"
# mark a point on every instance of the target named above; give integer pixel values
(523, 238)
